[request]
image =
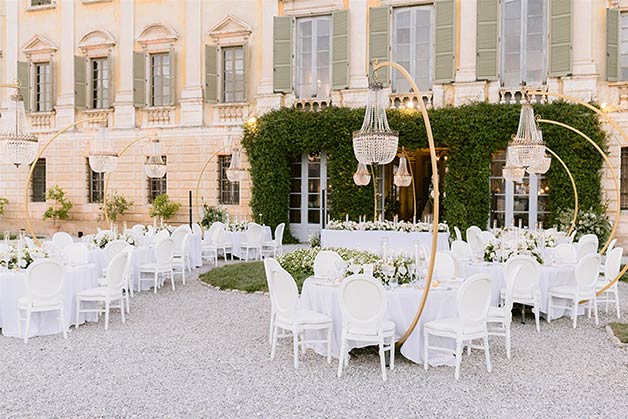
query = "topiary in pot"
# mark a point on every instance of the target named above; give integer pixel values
(163, 207)
(60, 208)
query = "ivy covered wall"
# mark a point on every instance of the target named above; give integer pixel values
(471, 133)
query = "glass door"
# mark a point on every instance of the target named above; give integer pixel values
(308, 195)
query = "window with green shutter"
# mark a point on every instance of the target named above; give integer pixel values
(340, 50)
(160, 79)
(379, 38)
(313, 53)
(560, 38)
(445, 43)
(412, 47)
(487, 57)
(624, 46)
(233, 89)
(42, 87)
(282, 54)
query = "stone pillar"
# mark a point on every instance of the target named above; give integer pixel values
(358, 65)
(11, 53)
(583, 32)
(192, 94)
(467, 89)
(265, 44)
(64, 66)
(124, 115)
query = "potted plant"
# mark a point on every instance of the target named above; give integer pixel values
(117, 205)
(163, 208)
(3, 205)
(212, 214)
(60, 208)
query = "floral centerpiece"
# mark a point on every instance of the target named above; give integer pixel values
(404, 226)
(102, 238)
(9, 258)
(237, 226)
(502, 250)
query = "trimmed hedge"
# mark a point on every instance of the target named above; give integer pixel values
(472, 133)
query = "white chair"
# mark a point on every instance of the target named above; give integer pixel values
(363, 304)
(472, 303)
(462, 250)
(222, 243)
(609, 249)
(161, 234)
(77, 254)
(571, 237)
(458, 233)
(566, 253)
(487, 237)
(181, 258)
(196, 229)
(587, 245)
(444, 266)
(44, 292)
(459, 269)
(611, 270)
(62, 240)
(474, 238)
(138, 230)
(112, 249)
(587, 271)
(181, 247)
(328, 264)
(526, 289)
(108, 294)
(271, 265)
(253, 240)
(209, 247)
(500, 318)
(284, 297)
(184, 227)
(275, 246)
(164, 253)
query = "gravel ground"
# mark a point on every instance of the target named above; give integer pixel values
(200, 352)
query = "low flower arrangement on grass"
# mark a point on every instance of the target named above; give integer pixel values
(12, 260)
(404, 226)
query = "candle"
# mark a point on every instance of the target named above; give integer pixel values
(155, 222)
(494, 225)
(520, 222)
(416, 253)
(346, 217)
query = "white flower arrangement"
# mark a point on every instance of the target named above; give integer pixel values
(102, 238)
(237, 226)
(9, 259)
(501, 250)
(404, 226)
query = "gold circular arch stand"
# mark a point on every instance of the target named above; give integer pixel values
(573, 185)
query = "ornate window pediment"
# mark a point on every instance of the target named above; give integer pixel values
(97, 42)
(39, 47)
(157, 36)
(230, 31)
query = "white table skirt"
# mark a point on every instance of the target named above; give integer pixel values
(371, 240)
(139, 256)
(401, 309)
(12, 287)
(237, 237)
(551, 276)
(195, 250)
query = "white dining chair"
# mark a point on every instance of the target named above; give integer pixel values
(62, 240)
(500, 318)
(611, 270)
(275, 246)
(444, 266)
(184, 227)
(328, 264)
(271, 265)
(474, 238)
(565, 253)
(459, 269)
(458, 233)
(284, 297)
(197, 229)
(138, 230)
(161, 234)
(363, 303)
(110, 293)
(209, 248)
(180, 259)
(609, 249)
(472, 302)
(44, 292)
(586, 247)
(253, 241)
(222, 243)
(111, 250)
(164, 252)
(77, 255)
(527, 291)
(462, 250)
(487, 237)
(587, 272)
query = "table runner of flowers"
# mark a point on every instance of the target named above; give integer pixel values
(404, 226)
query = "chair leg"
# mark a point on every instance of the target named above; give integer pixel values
(61, 318)
(329, 345)
(382, 357)
(273, 345)
(426, 348)
(523, 313)
(537, 317)
(78, 312)
(122, 303)
(487, 354)
(270, 329)
(295, 348)
(392, 352)
(27, 326)
(341, 356)
(156, 281)
(507, 340)
(617, 302)
(172, 276)
(548, 316)
(469, 347)
(597, 320)
(19, 323)
(574, 313)
(458, 359)
(107, 306)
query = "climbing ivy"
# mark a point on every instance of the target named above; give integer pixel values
(471, 133)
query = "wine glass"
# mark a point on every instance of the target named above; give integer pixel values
(388, 272)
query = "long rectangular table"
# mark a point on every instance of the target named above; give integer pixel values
(371, 240)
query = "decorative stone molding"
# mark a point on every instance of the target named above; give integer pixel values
(106, 114)
(230, 31)
(157, 37)
(39, 48)
(97, 43)
(232, 112)
(161, 116)
(42, 121)
(515, 94)
(313, 104)
(313, 7)
(400, 100)
(36, 8)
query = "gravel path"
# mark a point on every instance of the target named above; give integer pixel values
(199, 352)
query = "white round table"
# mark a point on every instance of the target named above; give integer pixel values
(12, 287)
(237, 237)
(401, 309)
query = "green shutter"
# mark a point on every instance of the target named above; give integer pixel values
(211, 74)
(139, 79)
(340, 50)
(560, 38)
(282, 54)
(80, 83)
(445, 45)
(487, 39)
(379, 39)
(612, 45)
(24, 76)
(172, 76)
(245, 72)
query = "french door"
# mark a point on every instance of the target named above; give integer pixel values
(308, 195)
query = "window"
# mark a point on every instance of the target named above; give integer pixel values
(99, 78)
(42, 87)
(160, 79)
(229, 191)
(624, 178)
(158, 186)
(313, 57)
(96, 185)
(624, 46)
(233, 74)
(40, 2)
(412, 46)
(524, 45)
(38, 185)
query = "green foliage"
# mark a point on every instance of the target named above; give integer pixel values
(212, 214)
(117, 205)
(471, 133)
(592, 221)
(620, 330)
(163, 207)
(3, 205)
(244, 276)
(60, 208)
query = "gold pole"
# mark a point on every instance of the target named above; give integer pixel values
(610, 166)
(573, 185)
(30, 172)
(200, 175)
(430, 141)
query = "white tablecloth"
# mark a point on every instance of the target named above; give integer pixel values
(237, 237)
(12, 286)
(195, 250)
(139, 256)
(551, 276)
(371, 240)
(401, 309)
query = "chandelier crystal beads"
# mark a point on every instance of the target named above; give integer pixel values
(402, 177)
(155, 167)
(527, 147)
(361, 177)
(235, 172)
(102, 158)
(375, 142)
(17, 146)
(512, 172)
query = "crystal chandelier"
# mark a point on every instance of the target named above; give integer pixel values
(102, 158)
(361, 177)
(402, 177)
(16, 145)
(375, 142)
(155, 167)
(512, 172)
(526, 147)
(543, 165)
(235, 172)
